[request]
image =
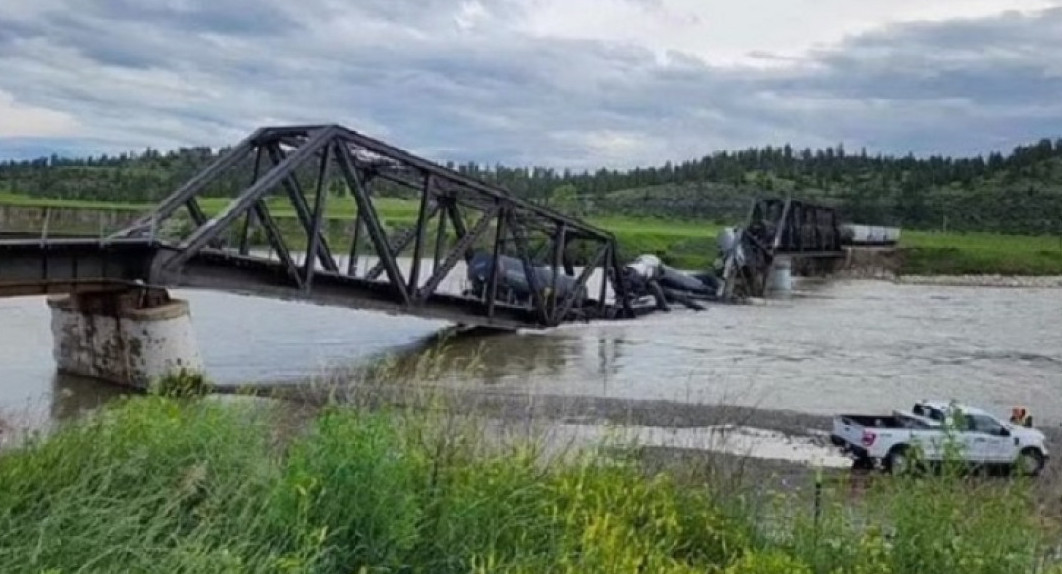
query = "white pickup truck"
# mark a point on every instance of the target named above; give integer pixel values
(981, 439)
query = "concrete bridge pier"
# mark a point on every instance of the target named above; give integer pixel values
(129, 337)
(780, 276)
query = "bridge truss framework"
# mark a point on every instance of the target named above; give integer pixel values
(780, 227)
(304, 166)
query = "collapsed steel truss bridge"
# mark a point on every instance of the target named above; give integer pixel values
(780, 227)
(307, 168)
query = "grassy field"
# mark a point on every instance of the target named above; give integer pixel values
(981, 253)
(196, 485)
(691, 244)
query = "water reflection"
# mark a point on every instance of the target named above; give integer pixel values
(73, 396)
(490, 359)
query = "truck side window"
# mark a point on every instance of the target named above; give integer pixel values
(983, 424)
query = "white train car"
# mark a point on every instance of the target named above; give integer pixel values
(855, 234)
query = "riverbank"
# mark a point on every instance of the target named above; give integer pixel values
(190, 485)
(1027, 282)
(681, 243)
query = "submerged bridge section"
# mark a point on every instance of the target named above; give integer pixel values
(777, 232)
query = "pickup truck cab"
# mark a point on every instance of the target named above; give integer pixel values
(936, 430)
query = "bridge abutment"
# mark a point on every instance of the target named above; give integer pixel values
(129, 337)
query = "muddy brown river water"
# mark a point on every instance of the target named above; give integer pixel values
(831, 346)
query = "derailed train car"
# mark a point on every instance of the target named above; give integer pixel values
(646, 278)
(513, 286)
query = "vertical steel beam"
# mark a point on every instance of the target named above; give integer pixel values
(580, 282)
(302, 211)
(491, 293)
(558, 262)
(359, 225)
(372, 222)
(618, 285)
(399, 244)
(440, 237)
(315, 234)
(206, 233)
(352, 262)
(248, 222)
(537, 302)
(458, 251)
(602, 292)
(418, 242)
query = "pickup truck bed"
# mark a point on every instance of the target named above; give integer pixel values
(877, 421)
(857, 433)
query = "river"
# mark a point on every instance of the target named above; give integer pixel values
(830, 346)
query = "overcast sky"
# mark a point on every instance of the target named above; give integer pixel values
(566, 83)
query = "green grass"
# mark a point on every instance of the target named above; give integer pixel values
(928, 253)
(177, 485)
(691, 244)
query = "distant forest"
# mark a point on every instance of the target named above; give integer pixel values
(1020, 192)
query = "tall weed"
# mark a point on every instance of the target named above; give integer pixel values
(161, 484)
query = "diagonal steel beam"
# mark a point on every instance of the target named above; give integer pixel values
(457, 252)
(276, 240)
(401, 242)
(463, 180)
(455, 217)
(167, 207)
(195, 211)
(359, 225)
(220, 222)
(580, 282)
(298, 200)
(522, 249)
(372, 223)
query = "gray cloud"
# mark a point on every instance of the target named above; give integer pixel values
(458, 84)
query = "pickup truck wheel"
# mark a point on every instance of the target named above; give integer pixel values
(1030, 462)
(897, 461)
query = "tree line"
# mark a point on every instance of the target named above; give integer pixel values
(1018, 192)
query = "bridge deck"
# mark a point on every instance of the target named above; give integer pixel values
(65, 265)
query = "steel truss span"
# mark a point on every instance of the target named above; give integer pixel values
(522, 260)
